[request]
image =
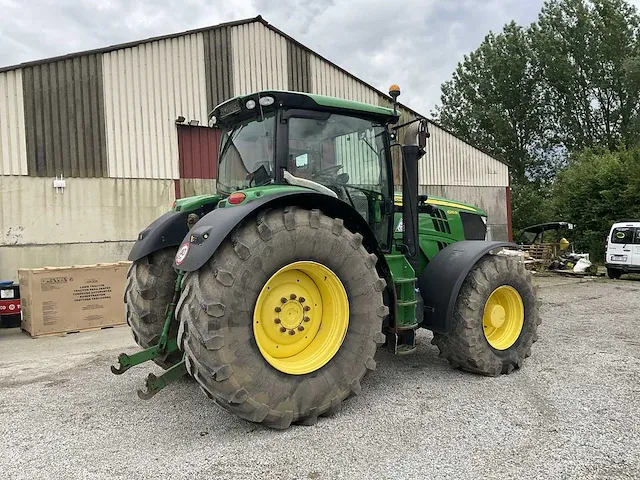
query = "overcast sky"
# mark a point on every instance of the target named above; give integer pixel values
(415, 43)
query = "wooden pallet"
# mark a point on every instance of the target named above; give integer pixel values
(571, 273)
(69, 332)
(542, 253)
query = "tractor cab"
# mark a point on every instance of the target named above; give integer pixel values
(337, 147)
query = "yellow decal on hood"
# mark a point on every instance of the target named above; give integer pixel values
(397, 199)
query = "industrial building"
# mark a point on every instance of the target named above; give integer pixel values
(96, 145)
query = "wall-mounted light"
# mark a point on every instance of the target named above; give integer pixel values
(194, 123)
(180, 119)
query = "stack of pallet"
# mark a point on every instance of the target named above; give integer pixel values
(540, 255)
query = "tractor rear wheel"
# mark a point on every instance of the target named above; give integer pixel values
(283, 322)
(495, 319)
(150, 286)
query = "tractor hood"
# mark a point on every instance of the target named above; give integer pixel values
(442, 202)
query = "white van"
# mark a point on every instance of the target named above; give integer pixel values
(623, 249)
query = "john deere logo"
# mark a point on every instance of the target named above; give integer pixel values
(182, 253)
(620, 235)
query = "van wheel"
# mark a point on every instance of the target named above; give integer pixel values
(613, 274)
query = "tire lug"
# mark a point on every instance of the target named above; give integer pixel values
(292, 296)
(283, 300)
(278, 309)
(282, 329)
(306, 319)
(301, 299)
(292, 332)
(300, 328)
(277, 320)
(307, 308)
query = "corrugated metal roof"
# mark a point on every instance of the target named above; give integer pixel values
(298, 68)
(347, 83)
(259, 59)
(134, 43)
(218, 66)
(64, 118)
(451, 161)
(327, 79)
(146, 88)
(13, 145)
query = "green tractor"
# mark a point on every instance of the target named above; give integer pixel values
(275, 293)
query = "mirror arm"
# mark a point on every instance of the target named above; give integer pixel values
(417, 119)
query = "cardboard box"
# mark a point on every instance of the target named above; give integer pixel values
(72, 299)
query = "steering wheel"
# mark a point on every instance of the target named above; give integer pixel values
(329, 173)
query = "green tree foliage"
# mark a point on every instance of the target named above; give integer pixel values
(562, 95)
(597, 188)
(570, 81)
(587, 53)
(494, 99)
(532, 203)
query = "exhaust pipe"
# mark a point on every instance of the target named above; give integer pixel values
(415, 140)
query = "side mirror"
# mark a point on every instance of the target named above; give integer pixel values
(423, 134)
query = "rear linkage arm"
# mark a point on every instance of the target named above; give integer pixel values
(165, 345)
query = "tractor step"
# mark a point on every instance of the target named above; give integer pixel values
(154, 384)
(402, 342)
(395, 256)
(407, 304)
(125, 362)
(405, 349)
(405, 280)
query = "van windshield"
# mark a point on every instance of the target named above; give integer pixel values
(625, 235)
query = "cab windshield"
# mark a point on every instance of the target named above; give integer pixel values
(349, 156)
(247, 154)
(341, 152)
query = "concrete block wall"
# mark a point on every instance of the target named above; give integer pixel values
(94, 220)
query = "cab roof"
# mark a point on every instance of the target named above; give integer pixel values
(312, 101)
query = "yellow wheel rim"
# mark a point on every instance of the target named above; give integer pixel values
(301, 317)
(503, 317)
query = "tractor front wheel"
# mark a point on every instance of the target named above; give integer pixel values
(283, 322)
(150, 287)
(495, 319)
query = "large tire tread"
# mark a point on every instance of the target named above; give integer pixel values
(149, 290)
(216, 315)
(465, 346)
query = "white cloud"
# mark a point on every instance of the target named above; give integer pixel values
(414, 43)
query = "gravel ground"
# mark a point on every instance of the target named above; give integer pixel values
(571, 412)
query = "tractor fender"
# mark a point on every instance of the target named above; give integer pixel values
(165, 231)
(442, 279)
(201, 242)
